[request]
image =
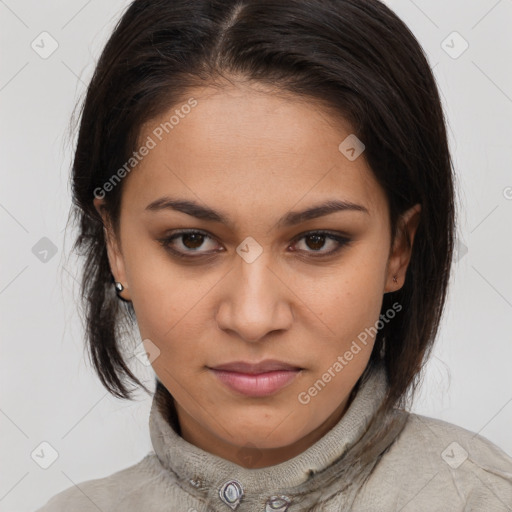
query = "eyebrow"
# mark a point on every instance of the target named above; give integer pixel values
(289, 219)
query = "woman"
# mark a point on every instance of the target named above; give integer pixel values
(264, 188)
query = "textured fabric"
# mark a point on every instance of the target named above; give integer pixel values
(417, 464)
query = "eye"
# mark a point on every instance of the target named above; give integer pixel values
(190, 242)
(316, 240)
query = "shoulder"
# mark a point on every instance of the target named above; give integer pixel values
(438, 465)
(111, 492)
(433, 434)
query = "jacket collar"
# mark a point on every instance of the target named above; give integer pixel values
(226, 486)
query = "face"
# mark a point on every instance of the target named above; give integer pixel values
(220, 267)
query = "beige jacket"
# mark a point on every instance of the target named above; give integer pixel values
(427, 465)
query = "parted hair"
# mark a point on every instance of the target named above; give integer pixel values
(355, 57)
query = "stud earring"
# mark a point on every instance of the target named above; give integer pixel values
(395, 280)
(119, 287)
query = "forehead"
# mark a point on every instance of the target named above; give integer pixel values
(241, 145)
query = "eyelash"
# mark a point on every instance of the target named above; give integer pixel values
(342, 241)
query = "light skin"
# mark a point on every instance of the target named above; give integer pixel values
(255, 157)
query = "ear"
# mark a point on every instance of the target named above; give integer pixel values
(400, 254)
(115, 256)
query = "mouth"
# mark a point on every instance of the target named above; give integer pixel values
(256, 380)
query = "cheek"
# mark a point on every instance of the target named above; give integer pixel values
(350, 307)
(349, 304)
(352, 300)
(173, 310)
(350, 318)
(162, 298)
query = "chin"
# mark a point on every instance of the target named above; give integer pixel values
(264, 436)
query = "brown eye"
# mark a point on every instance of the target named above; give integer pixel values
(315, 241)
(192, 240)
(185, 243)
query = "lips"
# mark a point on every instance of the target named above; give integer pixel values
(256, 379)
(269, 365)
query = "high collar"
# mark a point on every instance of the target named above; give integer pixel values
(299, 480)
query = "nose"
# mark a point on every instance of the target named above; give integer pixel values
(255, 302)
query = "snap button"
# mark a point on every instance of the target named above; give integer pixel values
(279, 503)
(195, 483)
(231, 493)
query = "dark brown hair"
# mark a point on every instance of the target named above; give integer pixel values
(356, 57)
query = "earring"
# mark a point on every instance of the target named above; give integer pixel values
(395, 280)
(119, 287)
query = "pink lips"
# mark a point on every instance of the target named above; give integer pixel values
(261, 379)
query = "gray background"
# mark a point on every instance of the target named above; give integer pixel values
(48, 390)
